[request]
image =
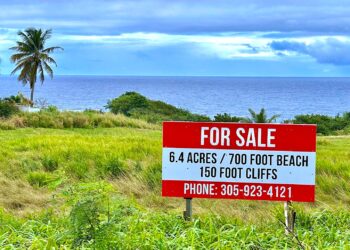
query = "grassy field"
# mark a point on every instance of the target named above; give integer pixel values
(100, 188)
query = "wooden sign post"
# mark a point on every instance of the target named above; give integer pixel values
(188, 211)
(289, 215)
(274, 162)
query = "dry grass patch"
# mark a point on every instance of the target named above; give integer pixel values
(20, 198)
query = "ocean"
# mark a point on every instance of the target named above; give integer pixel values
(203, 95)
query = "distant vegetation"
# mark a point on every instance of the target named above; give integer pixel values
(260, 117)
(225, 117)
(137, 106)
(136, 110)
(326, 125)
(7, 108)
(52, 118)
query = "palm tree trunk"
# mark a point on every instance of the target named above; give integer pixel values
(32, 94)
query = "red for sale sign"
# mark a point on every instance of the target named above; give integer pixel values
(239, 161)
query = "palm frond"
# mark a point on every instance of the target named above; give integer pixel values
(24, 75)
(246, 120)
(46, 35)
(253, 114)
(41, 73)
(48, 59)
(260, 117)
(52, 49)
(48, 69)
(19, 66)
(19, 56)
(273, 118)
(27, 37)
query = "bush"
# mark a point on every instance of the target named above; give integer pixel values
(90, 209)
(127, 102)
(137, 106)
(51, 109)
(326, 125)
(8, 108)
(18, 99)
(6, 125)
(81, 121)
(226, 118)
(13, 98)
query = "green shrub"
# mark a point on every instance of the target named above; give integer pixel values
(137, 106)
(93, 111)
(18, 99)
(85, 219)
(68, 121)
(81, 121)
(6, 125)
(7, 108)
(51, 109)
(326, 125)
(90, 209)
(127, 102)
(41, 120)
(225, 117)
(13, 98)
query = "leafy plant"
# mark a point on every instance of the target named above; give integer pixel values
(7, 108)
(325, 124)
(127, 102)
(135, 105)
(260, 117)
(18, 99)
(51, 109)
(225, 117)
(90, 209)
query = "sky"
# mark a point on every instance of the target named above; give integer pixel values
(187, 37)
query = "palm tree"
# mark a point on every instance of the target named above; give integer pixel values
(32, 57)
(260, 117)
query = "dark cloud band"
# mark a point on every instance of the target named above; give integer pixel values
(330, 51)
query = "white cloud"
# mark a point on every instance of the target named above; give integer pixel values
(225, 46)
(252, 45)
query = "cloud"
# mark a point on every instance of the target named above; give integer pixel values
(329, 51)
(221, 32)
(224, 46)
(289, 46)
(178, 17)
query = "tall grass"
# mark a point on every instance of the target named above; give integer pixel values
(69, 119)
(45, 174)
(121, 224)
